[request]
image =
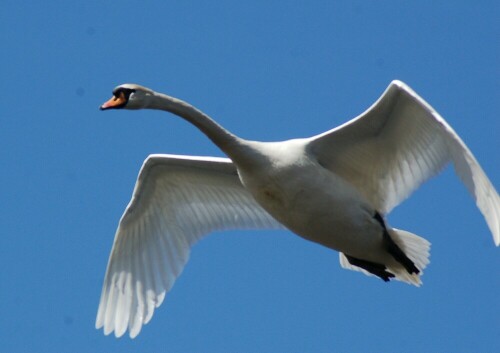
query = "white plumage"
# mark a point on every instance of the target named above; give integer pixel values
(333, 189)
(176, 201)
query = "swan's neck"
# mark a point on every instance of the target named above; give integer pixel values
(230, 144)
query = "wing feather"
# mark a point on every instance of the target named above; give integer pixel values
(396, 145)
(176, 201)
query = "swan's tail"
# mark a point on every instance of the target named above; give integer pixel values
(414, 247)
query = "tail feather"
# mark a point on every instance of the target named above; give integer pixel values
(413, 246)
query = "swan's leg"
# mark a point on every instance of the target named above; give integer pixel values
(395, 250)
(378, 270)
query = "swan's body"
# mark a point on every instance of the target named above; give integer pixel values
(332, 189)
(309, 199)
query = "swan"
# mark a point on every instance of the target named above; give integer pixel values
(333, 189)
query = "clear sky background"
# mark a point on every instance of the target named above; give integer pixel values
(266, 70)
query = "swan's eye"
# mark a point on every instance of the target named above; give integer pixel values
(123, 92)
(117, 93)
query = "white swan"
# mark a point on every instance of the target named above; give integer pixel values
(332, 189)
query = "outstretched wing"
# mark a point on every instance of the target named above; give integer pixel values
(398, 143)
(176, 201)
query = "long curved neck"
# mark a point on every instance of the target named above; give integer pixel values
(230, 144)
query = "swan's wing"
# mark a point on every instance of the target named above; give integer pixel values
(397, 144)
(176, 201)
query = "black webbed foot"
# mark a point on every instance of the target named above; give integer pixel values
(395, 250)
(378, 270)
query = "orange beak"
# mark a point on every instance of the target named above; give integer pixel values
(115, 102)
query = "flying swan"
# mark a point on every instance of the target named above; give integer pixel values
(333, 189)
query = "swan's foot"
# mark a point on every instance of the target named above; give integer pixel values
(395, 250)
(378, 270)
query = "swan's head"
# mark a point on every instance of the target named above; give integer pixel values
(129, 96)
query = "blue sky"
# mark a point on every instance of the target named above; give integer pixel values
(267, 70)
